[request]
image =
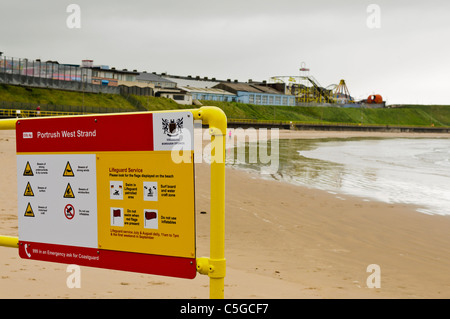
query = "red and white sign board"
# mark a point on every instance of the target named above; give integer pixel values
(104, 191)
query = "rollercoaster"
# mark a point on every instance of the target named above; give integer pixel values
(308, 90)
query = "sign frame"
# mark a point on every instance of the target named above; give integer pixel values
(214, 266)
(77, 143)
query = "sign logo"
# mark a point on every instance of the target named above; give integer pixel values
(27, 135)
(69, 211)
(172, 127)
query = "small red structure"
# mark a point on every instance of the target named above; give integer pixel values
(375, 99)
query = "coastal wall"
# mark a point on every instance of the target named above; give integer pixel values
(342, 127)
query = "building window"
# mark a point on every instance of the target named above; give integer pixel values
(251, 98)
(258, 99)
(278, 100)
(270, 100)
(178, 97)
(285, 101)
(264, 99)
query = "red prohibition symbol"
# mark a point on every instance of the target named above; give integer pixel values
(69, 211)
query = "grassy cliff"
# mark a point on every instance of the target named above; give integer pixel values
(50, 99)
(414, 115)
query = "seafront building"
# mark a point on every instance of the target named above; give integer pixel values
(89, 78)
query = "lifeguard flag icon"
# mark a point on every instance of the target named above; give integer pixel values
(151, 219)
(116, 213)
(150, 215)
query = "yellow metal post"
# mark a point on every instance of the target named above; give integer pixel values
(9, 241)
(215, 266)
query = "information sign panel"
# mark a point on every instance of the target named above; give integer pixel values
(104, 191)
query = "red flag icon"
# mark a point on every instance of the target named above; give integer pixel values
(148, 216)
(116, 212)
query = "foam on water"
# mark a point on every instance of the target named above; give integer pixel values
(400, 170)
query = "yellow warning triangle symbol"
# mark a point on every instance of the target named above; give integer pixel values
(28, 171)
(69, 192)
(28, 190)
(68, 170)
(29, 211)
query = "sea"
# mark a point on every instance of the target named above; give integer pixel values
(393, 170)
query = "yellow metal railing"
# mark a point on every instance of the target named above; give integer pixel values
(280, 122)
(17, 113)
(215, 265)
(9, 241)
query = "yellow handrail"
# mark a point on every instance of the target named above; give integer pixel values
(9, 241)
(17, 113)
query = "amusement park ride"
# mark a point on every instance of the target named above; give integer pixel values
(308, 91)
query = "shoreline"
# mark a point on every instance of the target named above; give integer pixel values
(311, 134)
(282, 241)
(288, 134)
(321, 136)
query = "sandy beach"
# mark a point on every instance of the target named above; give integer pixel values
(282, 241)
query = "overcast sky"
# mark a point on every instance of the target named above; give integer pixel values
(406, 59)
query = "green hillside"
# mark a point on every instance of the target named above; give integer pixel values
(414, 115)
(58, 100)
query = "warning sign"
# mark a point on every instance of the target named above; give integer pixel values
(68, 171)
(28, 190)
(29, 211)
(28, 171)
(69, 211)
(52, 193)
(69, 192)
(129, 205)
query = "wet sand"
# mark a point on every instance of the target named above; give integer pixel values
(282, 241)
